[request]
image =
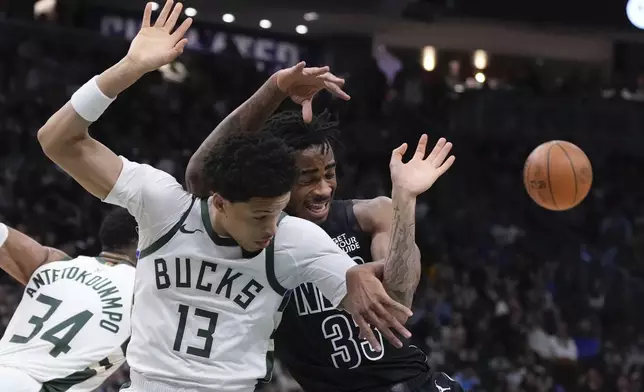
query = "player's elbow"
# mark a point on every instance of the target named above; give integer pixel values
(57, 145)
(64, 131)
(192, 176)
(51, 141)
(194, 179)
(45, 139)
(416, 256)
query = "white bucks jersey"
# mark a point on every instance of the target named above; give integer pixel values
(72, 326)
(205, 311)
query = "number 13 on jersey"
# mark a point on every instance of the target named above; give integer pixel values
(206, 334)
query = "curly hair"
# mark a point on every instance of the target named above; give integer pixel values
(289, 126)
(118, 231)
(244, 166)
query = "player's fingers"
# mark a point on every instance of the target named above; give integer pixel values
(163, 16)
(393, 321)
(421, 147)
(307, 111)
(366, 332)
(381, 326)
(147, 15)
(386, 313)
(446, 165)
(336, 90)
(442, 154)
(315, 71)
(399, 327)
(299, 67)
(384, 330)
(437, 147)
(398, 153)
(397, 307)
(361, 323)
(329, 77)
(381, 318)
(182, 29)
(173, 18)
(180, 46)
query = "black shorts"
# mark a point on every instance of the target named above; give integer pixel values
(437, 382)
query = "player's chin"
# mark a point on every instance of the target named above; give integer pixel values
(259, 245)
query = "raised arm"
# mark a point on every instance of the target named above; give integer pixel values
(298, 82)
(392, 223)
(65, 138)
(20, 255)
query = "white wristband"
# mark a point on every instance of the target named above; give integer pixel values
(4, 233)
(90, 102)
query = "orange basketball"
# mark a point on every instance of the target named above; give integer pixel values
(557, 175)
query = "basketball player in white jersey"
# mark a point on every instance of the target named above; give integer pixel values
(70, 331)
(213, 273)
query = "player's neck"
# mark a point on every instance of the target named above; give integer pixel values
(115, 257)
(217, 221)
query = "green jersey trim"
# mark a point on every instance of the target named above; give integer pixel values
(164, 239)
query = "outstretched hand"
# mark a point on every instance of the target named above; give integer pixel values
(156, 44)
(420, 173)
(301, 83)
(371, 307)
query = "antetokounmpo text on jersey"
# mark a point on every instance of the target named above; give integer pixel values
(106, 290)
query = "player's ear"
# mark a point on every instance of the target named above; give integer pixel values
(218, 202)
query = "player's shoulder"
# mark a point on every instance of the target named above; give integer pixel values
(373, 213)
(64, 263)
(296, 233)
(377, 203)
(147, 173)
(294, 227)
(89, 262)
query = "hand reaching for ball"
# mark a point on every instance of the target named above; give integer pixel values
(420, 173)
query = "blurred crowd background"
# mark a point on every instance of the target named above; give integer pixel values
(513, 297)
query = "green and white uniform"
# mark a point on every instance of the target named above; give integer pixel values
(204, 310)
(71, 328)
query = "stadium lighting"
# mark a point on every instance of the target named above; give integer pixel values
(265, 24)
(155, 6)
(480, 77)
(228, 18)
(190, 12)
(301, 29)
(635, 13)
(480, 59)
(429, 58)
(45, 7)
(311, 16)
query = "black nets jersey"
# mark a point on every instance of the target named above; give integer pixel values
(319, 344)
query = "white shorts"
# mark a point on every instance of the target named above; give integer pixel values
(141, 384)
(14, 380)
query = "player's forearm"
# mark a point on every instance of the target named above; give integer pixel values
(20, 255)
(249, 117)
(402, 264)
(119, 77)
(66, 129)
(65, 138)
(62, 132)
